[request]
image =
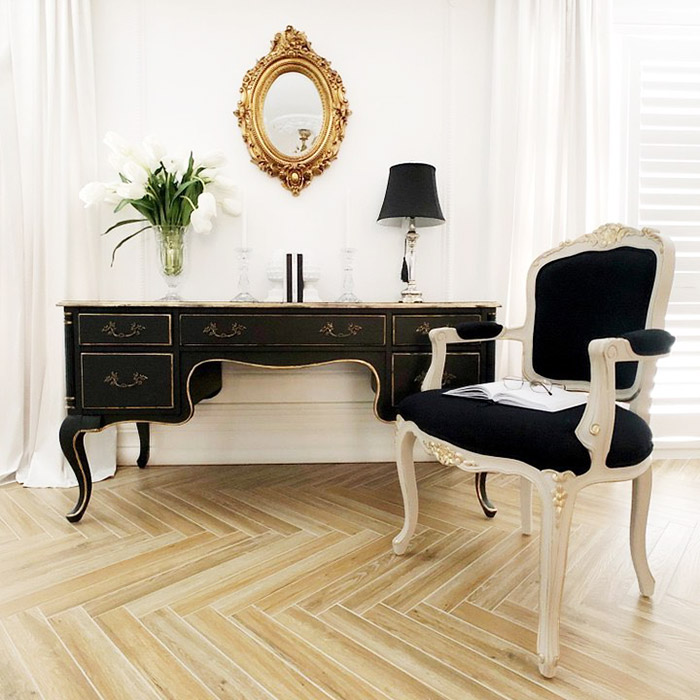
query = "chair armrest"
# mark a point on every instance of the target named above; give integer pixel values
(463, 333)
(595, 428)
(478, 330)
(649, 341)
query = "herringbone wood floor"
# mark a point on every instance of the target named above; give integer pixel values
(279, 582)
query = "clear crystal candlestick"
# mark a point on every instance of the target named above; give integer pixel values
(243, 281)
(348, 295)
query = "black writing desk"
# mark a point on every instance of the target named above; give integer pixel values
(153, 362)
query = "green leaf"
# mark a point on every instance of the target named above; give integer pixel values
(122, 242)
(123, 223)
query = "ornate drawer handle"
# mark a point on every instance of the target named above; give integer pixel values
(113, 380)
(111, 329)
(213, 330)
(423, 329)
(327, 329)
(447, 378)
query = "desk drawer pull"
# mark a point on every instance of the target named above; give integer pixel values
(111, 329)
(328, 329)
(113, 380)
(447, 378)
(423, 329)
(213, 330)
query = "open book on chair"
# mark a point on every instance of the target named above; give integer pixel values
(554, 398)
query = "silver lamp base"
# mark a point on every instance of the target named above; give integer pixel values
(411, 295)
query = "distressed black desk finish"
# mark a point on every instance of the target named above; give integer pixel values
(153, 362)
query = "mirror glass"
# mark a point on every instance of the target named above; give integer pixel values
(293, 114)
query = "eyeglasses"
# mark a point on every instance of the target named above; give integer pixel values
(540, 386)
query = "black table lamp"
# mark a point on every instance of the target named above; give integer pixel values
(411, 193)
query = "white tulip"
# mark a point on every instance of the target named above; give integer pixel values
(135, 172)
(200, 221)
(208, 174)
(232, 206)
(117, 160)
(118, 144)
(213, 159)
(225, 184)
(206, 204)
(130, 190)
(155, 151)
(93, 193)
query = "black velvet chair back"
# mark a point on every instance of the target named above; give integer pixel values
(597, 293)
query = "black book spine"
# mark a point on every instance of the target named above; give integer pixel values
(300, 277)
(289, 277)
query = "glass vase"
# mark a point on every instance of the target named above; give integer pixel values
(172, 257)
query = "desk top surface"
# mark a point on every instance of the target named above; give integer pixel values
(262, 305)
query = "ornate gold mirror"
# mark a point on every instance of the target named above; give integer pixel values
(292, 111)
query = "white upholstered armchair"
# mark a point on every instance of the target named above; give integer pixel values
(595, 314)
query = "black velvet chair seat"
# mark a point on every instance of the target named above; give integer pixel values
(539, 438)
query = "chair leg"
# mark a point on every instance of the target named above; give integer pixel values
(525, 505)
(484, 502)
(405, 440)
(554, 542)
(641, 494)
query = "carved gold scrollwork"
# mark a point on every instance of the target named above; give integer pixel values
(213, 330)
(134, 329)
(136, 380)
(291, 52)
(605, 236)
(328, 329)
(446, 455)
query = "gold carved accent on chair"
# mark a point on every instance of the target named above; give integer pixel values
(608, 349)
(212, 329)
(328, 329)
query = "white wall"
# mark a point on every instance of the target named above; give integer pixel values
(416, 73)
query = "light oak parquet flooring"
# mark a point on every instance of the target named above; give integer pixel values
(278, 582)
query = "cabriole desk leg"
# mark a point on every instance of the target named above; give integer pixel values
(72, 437)
(144, 432)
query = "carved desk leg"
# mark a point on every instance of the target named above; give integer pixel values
(72, 437)
(486, 505)
(144, 431)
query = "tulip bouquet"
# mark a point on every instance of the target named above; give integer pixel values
(167, 191)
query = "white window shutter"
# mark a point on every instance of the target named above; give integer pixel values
(661, 175)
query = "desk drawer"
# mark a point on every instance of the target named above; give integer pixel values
(408, 371)
(124, 329)
(413, 330)
(288, 329)
(127, 380)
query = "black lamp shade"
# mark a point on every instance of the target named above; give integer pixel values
(411, 192)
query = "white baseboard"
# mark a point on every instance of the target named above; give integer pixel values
(310, 415)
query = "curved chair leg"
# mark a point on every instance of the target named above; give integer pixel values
(486, 505)
(525, 505)
(405, 440)
(641, 494)
(554, 542)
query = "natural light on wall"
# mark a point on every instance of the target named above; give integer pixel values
(658, 88)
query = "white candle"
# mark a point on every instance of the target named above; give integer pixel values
(347, 243)
(244, 221)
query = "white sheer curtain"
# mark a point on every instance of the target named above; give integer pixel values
(49, 243)
(549, 137)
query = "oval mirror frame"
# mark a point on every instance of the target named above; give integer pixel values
(291, 52)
